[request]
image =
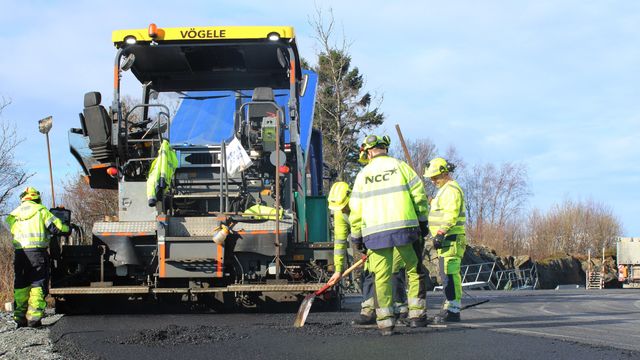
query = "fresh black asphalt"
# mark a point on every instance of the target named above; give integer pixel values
(575, 324)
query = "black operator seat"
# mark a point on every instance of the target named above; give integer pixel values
(98, 126)
(258, 111)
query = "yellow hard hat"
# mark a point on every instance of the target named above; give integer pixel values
(436, 167)
(339, 195)
(30, 194)
(372, 141)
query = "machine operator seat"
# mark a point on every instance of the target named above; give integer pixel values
(261, 106)
(261, 94)
(98, 127)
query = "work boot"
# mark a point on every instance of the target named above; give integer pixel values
(418, 322)
(20, 323)
(402, 319)
(364, 320)
(386, 331)
(34, 323)
(447, 316)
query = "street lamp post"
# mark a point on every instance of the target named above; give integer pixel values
(44, 125)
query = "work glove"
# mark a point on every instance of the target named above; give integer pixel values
(437, 241)
(424, 229)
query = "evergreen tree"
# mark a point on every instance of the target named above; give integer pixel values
(344, 111)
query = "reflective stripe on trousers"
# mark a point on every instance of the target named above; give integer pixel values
(368, 307)
(37, 304)
(452, 306)
(417, 308)
(29, 303)
(385, 318)
(400, 308)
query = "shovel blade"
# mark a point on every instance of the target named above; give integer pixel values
(303, 311)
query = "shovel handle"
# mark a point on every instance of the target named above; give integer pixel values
(345, 273)
(475, 304)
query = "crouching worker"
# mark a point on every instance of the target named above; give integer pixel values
(339, 204)
(31, 225)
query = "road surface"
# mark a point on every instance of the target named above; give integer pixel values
(541, 324)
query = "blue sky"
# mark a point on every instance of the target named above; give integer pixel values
(551, 84)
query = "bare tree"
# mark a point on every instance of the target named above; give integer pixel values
(420, 150)
(496, 198)
(88, 205)
(572, 227)
(13, 175)
(342, 110)
(6, 265)
(453, 157)
(424, 150)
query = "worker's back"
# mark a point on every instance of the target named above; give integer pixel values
(387, 195)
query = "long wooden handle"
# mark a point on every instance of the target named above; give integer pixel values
(407, 155)
(404, 148)
(345, 273)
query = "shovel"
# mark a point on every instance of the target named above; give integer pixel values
(305, 306)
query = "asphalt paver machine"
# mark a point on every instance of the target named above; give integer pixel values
(218, 95)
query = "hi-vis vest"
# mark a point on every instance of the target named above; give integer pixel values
(161, 171)
(387, 202)
(29, 223)
(448, 210)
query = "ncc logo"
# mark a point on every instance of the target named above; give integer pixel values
(384, 176)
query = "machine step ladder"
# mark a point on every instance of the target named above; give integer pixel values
(594, 280)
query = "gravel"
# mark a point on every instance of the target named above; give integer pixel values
(26, 343)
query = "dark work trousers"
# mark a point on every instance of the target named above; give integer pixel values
(31, 268)
(31, 283)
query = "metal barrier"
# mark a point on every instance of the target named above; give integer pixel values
(484, 276)
(477, 276)
(517, 279)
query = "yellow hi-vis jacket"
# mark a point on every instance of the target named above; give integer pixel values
(340, 238)
(387, 202)
(448, 210)
(31, 223)
(341, 230)
(161, 172)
